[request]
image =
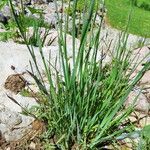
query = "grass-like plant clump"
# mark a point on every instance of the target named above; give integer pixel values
(83, 107)
(118, 12)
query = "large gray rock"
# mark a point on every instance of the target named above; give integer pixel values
(10, 117)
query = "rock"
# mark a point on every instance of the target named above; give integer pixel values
(16, 134)
(141, 104)
(9, 117)
(6, 11)
(3, 128)
(32, 145)
(3, 19)
(5, 14)
(2, 139)
(50, 14)
(13, 125)
(141, 119)
(13, 130)
(145, 79)
(51, 18)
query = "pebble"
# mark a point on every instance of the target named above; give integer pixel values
(32, 145)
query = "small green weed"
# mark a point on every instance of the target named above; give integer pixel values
(10, 31)
(26, 93)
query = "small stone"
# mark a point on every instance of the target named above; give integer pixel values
(3, 128)
(12, 67)
(32, 145)
(3, 19)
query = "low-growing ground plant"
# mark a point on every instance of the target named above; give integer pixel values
(83, 107)
(10, 31)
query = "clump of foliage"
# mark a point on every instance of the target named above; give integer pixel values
(10, 31)
(27, 22)
(82, 5)
(84, 104)
(10, 26)
(3, 3)
(144, 4)
(144, 139)
(26, 93)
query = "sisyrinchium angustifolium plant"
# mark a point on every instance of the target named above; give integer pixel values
(84, 104)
